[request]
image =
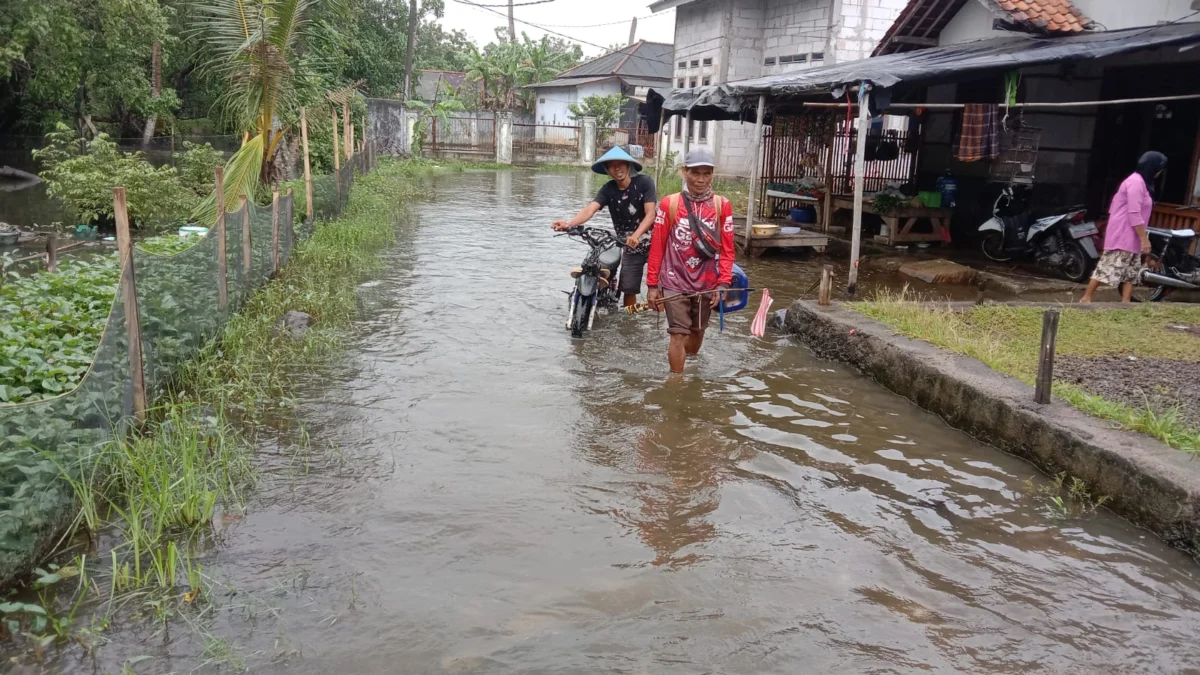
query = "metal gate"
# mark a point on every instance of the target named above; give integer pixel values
(469, 136)
(545, 143)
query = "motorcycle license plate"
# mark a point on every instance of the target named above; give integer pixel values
(1084, 230)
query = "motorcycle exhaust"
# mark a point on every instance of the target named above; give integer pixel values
(1149, 277)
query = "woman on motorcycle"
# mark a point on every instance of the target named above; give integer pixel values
(1125, 238)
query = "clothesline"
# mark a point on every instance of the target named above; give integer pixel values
(1045, 104)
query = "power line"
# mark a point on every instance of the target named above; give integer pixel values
(518, 4)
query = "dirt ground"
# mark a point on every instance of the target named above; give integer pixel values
(1162, 384)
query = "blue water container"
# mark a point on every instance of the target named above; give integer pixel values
(734, 300)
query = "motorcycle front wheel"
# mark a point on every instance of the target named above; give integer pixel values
(993, 247)
(581, 313)
(1076, 265)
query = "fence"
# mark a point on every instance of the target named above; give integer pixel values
(545, 143)
(608, 138)
(460, 136)
(180, 301)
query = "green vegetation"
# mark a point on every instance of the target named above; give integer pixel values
(606, 109)
(736, 190)
(1007, 339)
(505, 66)
(1065, 499)
(157, 492)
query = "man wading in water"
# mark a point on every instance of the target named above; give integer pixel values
(691, 256)
(630, 199)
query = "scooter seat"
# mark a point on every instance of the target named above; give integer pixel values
(1162, 232)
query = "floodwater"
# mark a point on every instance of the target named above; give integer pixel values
(496, 498)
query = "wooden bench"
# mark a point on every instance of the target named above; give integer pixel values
(900, 222)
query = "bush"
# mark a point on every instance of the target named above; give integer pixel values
(84, 181)
(197, 166)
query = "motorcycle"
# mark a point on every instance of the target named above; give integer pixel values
(600, 264)
(1172, 265)
(1064, 243)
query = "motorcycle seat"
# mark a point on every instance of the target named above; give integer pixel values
(1161, 232)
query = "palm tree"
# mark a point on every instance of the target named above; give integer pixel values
(481, 68)
(254, 47)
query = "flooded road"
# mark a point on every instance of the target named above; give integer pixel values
(496, 498)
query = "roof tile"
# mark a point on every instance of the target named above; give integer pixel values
(1054, 16)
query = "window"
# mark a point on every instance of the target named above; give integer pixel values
(683, 64)
(704, 132)
(695, 63)
(785, 59)
(541, 100)
(678, 127)
(693, 83)
(692, 131)
(681, 83)
(707, 62)
(818, 56)
(800, 58)
(769, 61)
(706, 81)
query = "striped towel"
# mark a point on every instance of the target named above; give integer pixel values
(980, 138)
(759, 325)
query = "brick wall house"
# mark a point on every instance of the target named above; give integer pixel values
(726, 40)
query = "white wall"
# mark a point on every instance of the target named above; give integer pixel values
(973, 22)
(554, 110)
(1117, 14)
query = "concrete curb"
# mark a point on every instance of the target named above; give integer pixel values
(1153, 485)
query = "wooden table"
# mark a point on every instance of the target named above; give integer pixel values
(900, 222)
(759, 243)
(774, 197)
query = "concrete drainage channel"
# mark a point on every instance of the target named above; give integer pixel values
(1153, 485)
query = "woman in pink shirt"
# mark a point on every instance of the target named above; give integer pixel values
(1125, 239)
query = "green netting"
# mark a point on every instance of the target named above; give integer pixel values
(178, 312)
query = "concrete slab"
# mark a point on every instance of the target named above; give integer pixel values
(939, 271)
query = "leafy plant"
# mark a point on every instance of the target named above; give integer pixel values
(606, 109)
(197, 166)
(439, 111)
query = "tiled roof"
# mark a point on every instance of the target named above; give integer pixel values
(921, 21)
(640, 59)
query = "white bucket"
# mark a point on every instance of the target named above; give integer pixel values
(192, 230)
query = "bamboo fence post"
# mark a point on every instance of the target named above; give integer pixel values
(337, 160)
(308, 206)
(755, 171)
(133, 326)
(222, 279)
(826, 285)
(860, 149)
(347, 131)
(1045, 373)
(51, 253)
(274, 232)
(247, 243)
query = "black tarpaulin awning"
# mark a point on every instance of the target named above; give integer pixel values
(737, 100)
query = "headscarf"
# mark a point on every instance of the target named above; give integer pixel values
(1148, 166)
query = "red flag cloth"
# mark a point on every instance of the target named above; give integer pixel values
(759, 325)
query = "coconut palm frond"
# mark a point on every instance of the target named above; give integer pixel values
(241, 176)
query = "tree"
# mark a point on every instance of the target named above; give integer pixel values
(506, 67)
(606, 109)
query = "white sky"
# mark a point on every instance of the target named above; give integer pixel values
(577, 19)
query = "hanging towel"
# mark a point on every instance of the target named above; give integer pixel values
(980, 137)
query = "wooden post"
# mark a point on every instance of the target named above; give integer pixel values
(308, 207)
(347, 131)
(827, 205)
(1045, 373)
(337, 160)
(222, 279)
(247, 243)
(755, 169)
(51, 253)
(133, 326)
(274, 232)
(826, 285)
(687, 134)
(860, 151)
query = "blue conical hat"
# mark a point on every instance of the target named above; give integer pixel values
(615, 154)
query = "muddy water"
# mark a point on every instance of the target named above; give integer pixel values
(498, 498)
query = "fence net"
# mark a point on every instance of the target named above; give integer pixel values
(43, 443)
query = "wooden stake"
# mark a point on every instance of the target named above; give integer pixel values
(51, 253)
(347, 131)
(337, 153)
(860, 152)
(247, 244)
(755, 169)
(133, 326)
(222, 279)
(274, 232)
(826, 285)
(308, 207)
(1045, 374)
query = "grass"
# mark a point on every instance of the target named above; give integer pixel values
(155, 492)
(1007, 339)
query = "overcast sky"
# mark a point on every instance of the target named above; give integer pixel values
(578, 19)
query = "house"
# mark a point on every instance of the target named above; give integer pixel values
(1084, 152)
(434, 83)
(631, 71)
(718, 41)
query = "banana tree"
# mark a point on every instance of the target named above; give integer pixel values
(254, 48)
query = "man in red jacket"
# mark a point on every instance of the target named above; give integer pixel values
(691, 256)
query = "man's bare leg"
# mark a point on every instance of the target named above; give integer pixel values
(692, 343)
(677, 352)
(1126, 292)
(630, 299)
(1092, 286)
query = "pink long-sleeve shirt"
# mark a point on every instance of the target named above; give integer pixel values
(1130, 207)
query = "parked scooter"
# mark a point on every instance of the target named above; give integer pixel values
(1064, 243)
(1171, 264)
(595, 278)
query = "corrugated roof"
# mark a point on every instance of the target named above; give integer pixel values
(571, 81)
(921, 21)
(640, 59)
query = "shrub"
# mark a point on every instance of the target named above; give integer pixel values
(197, 165)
